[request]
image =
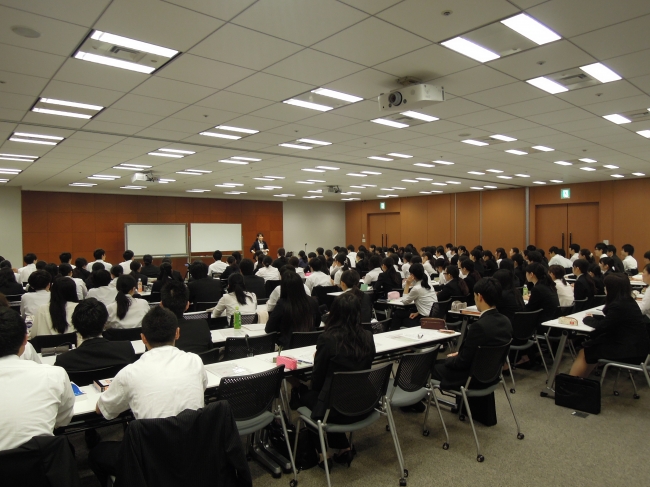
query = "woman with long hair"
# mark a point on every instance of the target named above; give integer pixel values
(80, 271)
(339, 266)
(268, 272)
(165, 275)
(126, 311)
(597, 275)
(510, 301)
(8, 284)
(564, 290)
(417, 291)
(584, 287)
(344, 346)
(237, 297)
(389, 278)
(350, 284)
(56, 317)
(472, 276)
(544, 293)
(587, 255)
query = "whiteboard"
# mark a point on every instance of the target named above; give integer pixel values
(208, 237)
(156, 238)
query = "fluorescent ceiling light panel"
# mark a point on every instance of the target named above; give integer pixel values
(295, 146)
(234, 192)
(358, 175)
(474, 142)
(268, 187)
(516, 152)
(616, 118)
(638, 174)
(610, 166)
(523, 175)
(410, 181)
(116, 63)
(133, 44)
(328, 168)
(228, 161)
(236, 129)
(372, 173)
(424, 179)
(315, 191)
(316, 181)
(83, 185)
(349, 199)
(73, 104)
(470, 49)
(132, 187)
(531, 29)
(587, 168)
(379, 158)
(126, 168)
(32, 141)
(17, 159)
(246, 158)
(283, 195)
(313, 170)
(315, 142)
(337, 94)
(497, 171)
(38, 136)
(4, 170)
(643, 133)
(504, 138)
(272, 177)
(106, 176)
(177, 151)
(259, 179)
(304, 182)
(165, 181)
(452, 182)
(543, 148)
(420, 116)
(47, 111)
(369, 185)
(539, 182)
(444, 163)
(221, 136)
(439, 184)
(478, 173)
(424, 164)
(617, 176)
(563, 163)
(601, 72)
(547, 85)
(475, 187)
(504, 177)
(19, 155)
(490, 187)
(197, 190)
(397, 154)
(390, 123)
(556, 181)
(188, 173)
(176, 156)
(307, 104)
(586, 159)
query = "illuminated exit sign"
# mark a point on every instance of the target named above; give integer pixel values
(565, 194)
(382, 205)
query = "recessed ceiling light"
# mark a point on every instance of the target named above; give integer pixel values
(522, 175)
(586, 159)
(246, 158)
(610, 166)
(264, 179)
(504, 177)
(307, 104)
(494, 170)
(35, 138)
(390, 123)
(131, 167)
(378, 158)
(424, 164)
(163, 154)
(105, 176)
(102, 179)
(61, 113)
(189, 173)
(601, 72)
(116, 63)
(444, 163)
(644, 133)
(83, 185)
(132, 187)
(439, 184)
(313, 170)
(617, 176)
(387, 196)
(234, 192)
(539, 182)
(410, 181)
(423, 192)
(475, 187)
(563, 163)
(397, 154)
(274, 177)
(490, 187)
(470, 49)
(398, 187)
(474, 142)
(15, 172)
(315, 142)
(531, 29)
(20, 156)
(8, 157)
(177, 151)
(283, 195)
(358, 187)
(638, 174)
(197, 190)
(315, 191)
(304, 182)
(424, 179)
(478, 173)
(220, 136)
(337, 94)
(38, 136)
(133, 44)
(452, 182)
(369, 185)
(268, 187)
(230, 161)
(587, 168)
(556, 181)
(517, 152)
(359, 175)
(372, 173)
(311, 197)
(349, 199)
(316, 181)
(543, 148)
(547, 85)
(226, 185)
(72, 104)
(420, 116)
(505, 138)
(236, 129)
(617, 119)
(31, 141)
(351, 192)
(328, 168)
(296, 146)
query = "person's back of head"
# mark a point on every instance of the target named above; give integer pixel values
(294, 261)
(247, 267)
(351, 280)
(198, 270)
(617, 288)
(489, 289)
(7, 276)
(39, 280)
(315, 264)
(287, 268)
(80, 262)
(98, 254)
(128, 255)
(101, 277)
(98, 266)
(628, 249)
(507, 264)
(65, 257)
(468, 265)
(63, 291)
(476, 254)
(166, 271)
(488, 254)
(237, 285)
(135, 266)
(531, 248)
(351, 248)
(231, 260)
(159, 327)
(582, 265)
(557, 271)
(611, 249)
(561, 252)
(217, 255)
(607, 262)
(553, 250)
(601, 246)
(65, 269)
(147, 259)
(268, 260)
(535, 256)
(374, 262)
(320, 251)
(440, 264)
(89, 318)
(117, 270)
(174, 296)
(281, 252)
(344, 325)
(40, 265)
(406, 258)
(30, 258)
(575, 247)
(428, 255)
(52, 269)
(237, 256)
(595, 270)
(5, 264)
(518, 259)
(328, 253)
(13, 332)
(540, 273)
(416, 259)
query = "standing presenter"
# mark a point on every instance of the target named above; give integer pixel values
(260, 245)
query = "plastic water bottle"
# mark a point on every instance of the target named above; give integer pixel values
(525, 290)
(139, 285)
(237, 320)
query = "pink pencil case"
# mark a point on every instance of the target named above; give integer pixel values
(288, 362)
(393, 295)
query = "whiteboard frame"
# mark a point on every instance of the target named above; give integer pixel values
(187, 244)
(216, 223)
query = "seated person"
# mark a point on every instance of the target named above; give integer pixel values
(237, 297)
(128, 259)
(510, 301)
(630, 265)
(645, 303)
(419, 292)
(489, 263)
(195, 335)
(471, 277)
(148, 269)
(79, 270)
(164, 276)
(584, 286)
(39, 282)
(203, 289)
(476, 256)
(374, 264)
(254, 284)
(350, 283)
(339, 265)
(65, 270)
(344, 346)
(126, 311)
(175, 274)
(162, 383)
(135, 273)
(317, 277)
(8, 284)
(268, 272)
(275, 294)
(218, 266)
(619, 335)
(281, 260)
(294, 311)
(295, 262)
(232, 268)
(388, 280)
(454, 286)
(103, 291)
(37, 397)
(116, 272)
(56, 316)
(94, 351)
(491, 329)
(90, 281)
(564, 290)
(597, 275)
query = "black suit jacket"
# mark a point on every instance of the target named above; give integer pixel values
(384, 284)
(205, 290)
(12, 289)
(618, 264)
(194, 336)
(451, 288)
(274, 325)
(582, 289)
(279, 262)
(138, 275)
(97, 353)
(150, 270)
(490, 266)
(158, 285)
(256, 245)
(510, 303)
(480, 268)
(544, 298)
(255, 285)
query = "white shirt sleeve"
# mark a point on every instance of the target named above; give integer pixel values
(645, 303)
(220, 308)
(66, 409)
(114, 400)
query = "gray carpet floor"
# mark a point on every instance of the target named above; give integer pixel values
(559, 448)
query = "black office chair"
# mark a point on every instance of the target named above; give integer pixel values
(246, 319)
(320, 293)
(581, 304)
(443, 309)
(599, 300)
(237, 347)
(524, 329)
(301, 339)
(378, 326)
(47, 341)
(210, 357)
(153, 304)
(121, 334)
(196, 316)
(14, 297)
(87, 377)
(203, 305)
(269, 286)
(154, 297)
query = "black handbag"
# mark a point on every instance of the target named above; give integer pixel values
(577, 393)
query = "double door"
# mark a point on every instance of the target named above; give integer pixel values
(563, 225)
(384, 229)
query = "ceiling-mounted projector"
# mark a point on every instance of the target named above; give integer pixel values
(411, 98)
(142, 177)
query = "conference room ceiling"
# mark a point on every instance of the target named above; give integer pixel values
(240, 59)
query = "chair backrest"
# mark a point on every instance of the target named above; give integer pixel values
(563, 311)
(120, 334)
(15, 305)
(204, 315)
(153, 304)
(320, 293)
(414, 369)
(47, 341)
(269, 286)
(599, 299)
(380, 326)
(246, 319)
(581, 305)
(251, 395)
(304, 338)
(237, 347)
(216, 275)
(488, 362)
(210, 357)
(525, 324)
(154, 296)
(86, 377)
(14, 297)
(443, 308)
(203, 305)
(357, 393)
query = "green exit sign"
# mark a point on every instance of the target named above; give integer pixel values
(382, 205)
(565, 194)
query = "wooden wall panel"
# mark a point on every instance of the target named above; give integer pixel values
(629, 220)
(468, 219)
(80, 223)
(503, 219)
(440, 220)
(415, 221)
(353, 223)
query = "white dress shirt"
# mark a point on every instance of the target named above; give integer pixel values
(217, 267)
(228, 302)
(428, 268)
(107, 266)
(421, 297)
(25, 272)
(352, 256)
(557, 259)
(113, 283)
(133, 317)
(630, 263)
(564, 293)
(36, 398)
(30, 354)
(269, 273)
(575, 257)
(162, 383)
(405, 270)
(317, 279)
(337, 276)
(449, 254)
(645, 303)
(301, 272)
(105, 294)
(82, 290)
(372, 275)
(43, 320)
(275, 296)
(126, 266)
(441, 279)
(30, 302)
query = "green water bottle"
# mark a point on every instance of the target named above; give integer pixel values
(237, 320)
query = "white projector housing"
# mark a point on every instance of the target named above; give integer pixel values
(411, 98)
(141, 177)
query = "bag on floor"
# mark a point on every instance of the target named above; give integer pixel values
(577, 393)
(306, 455)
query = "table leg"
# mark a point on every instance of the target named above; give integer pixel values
(550, 379)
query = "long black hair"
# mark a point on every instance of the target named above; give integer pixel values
(454, 272)
(618, 288)
(583, 265)
(124, 285)
(389, 263)
(237, 285)
(418, 272)
(62, 291)
(166, 271)
(539, 271)
(343, 260)
(297, 313)
(351, 279)
(507, 280)
(344, 325)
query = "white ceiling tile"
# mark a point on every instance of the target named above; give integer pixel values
(298, 21)
(368, 83)
(75, 11)
(452, 108)
(296, 131)
(282, 112)
(255, 121)
(164, 134)
(12, 114)
(223, 9)
(62, 90)
(579, 125)
(559, 116)
(203, 71)
(472, 80)
(362, 110)
(112, 127)
(234, 102)
(642, 82)
(168, 89)
(92, 74)
(438, 127)
(244, 47)
(371, 6)
(631, 65)
(209, 117)
(27, 61)
(524, 4)
(425, 18)
(313, 67)
(329, 121)
(180, 125)
(545, 104)
(482, 117)
(370, 42)
(271, 87)
(146, 104)
(509, 125)
(506, 94)
(616, 40)
(600, 93)
(16, 102)
(21, 84)
(128, 117)
(638, 102)
(367, 129)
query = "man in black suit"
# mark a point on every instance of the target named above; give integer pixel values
(95, 351)
(135, 272)
(281, 260)
(491, 329)
(194, 335)
(254, 284)
(148, 269)
(203, 289)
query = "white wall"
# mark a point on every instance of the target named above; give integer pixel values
(11, 226)
(316, 223)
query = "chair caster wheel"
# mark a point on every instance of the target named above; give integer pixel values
(402, 482)
(512, 391)
(445, 446)
(406, 473)
(293, 483)
(543, 394)
(636, 396)
(425, 433)
(480, 458)
(461, 417)
(520, 436)
(616, 393)
(387, 428)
